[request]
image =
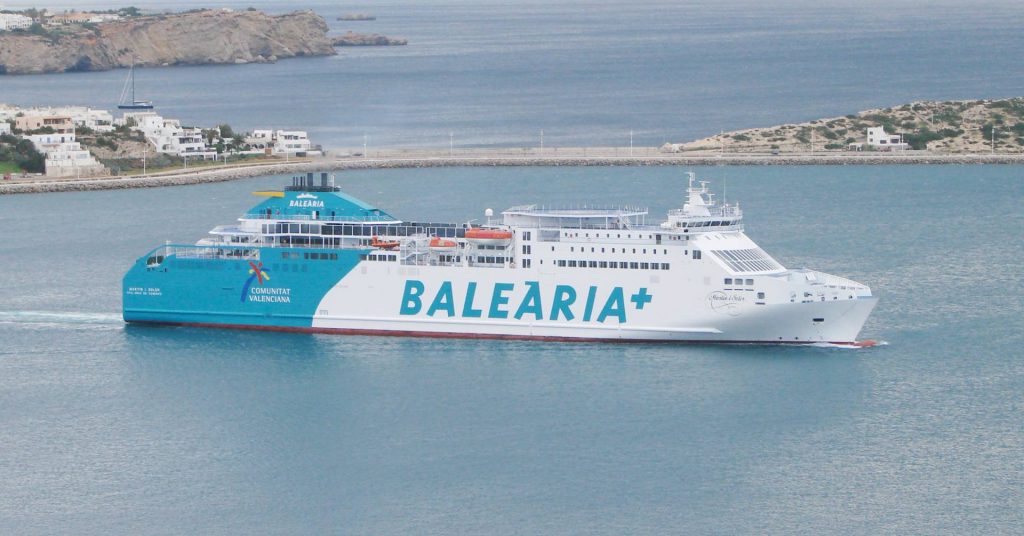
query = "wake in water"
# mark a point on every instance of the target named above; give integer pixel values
(860, 345)
(51, 318)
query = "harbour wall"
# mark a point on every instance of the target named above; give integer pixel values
(387, 159)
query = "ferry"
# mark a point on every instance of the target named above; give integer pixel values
(310, 258)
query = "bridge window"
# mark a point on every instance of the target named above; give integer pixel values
(728, 281)
(664, 266)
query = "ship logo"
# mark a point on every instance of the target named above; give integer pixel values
(257, 273)
(306, 201)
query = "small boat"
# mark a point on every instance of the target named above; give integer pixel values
(384, 244)
(488, 237)
(440, 245)
(133, 104)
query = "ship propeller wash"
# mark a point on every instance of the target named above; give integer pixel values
(310, 258)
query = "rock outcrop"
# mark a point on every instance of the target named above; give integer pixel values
(191, 38)
(352, 39)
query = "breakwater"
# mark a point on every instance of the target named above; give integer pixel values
(484, 158)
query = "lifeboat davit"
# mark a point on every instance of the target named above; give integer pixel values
(384, 244)
(489, 237)
(440, 245)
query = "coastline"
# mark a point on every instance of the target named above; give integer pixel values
(399, 158)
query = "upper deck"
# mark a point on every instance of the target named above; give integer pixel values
(581, 217)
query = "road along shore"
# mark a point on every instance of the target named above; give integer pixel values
(394, 158)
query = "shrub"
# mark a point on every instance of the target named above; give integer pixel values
(920, 139)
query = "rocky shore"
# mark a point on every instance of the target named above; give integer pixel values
(352, 39)
(191, 38)
(969, 126)
(479, 158)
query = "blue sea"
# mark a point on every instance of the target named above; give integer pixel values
(491, 72)
(107, 428)
(114, 429)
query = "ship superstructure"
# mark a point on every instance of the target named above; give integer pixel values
(311, 258)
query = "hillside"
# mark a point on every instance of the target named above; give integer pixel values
(196, 37)
(946, 127)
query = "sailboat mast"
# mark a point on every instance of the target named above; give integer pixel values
(131, 73)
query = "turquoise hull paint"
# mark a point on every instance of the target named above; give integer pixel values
(227, 290)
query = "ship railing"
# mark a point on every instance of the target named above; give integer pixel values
(371, 218)
(832, 281)
(566, 211)
(208, 252)
(731, 211)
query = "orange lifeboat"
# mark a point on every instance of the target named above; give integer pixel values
(441, 245)
(384, 244)
(490, 237)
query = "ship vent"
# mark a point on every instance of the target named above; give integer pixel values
(747, 260)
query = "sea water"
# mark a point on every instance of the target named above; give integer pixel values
(107, 428)
(493, 73)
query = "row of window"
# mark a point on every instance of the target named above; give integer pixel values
(572, 249)
(738, 282)
(381, 257)
(431, 229)
(310, 255)
(614, 264)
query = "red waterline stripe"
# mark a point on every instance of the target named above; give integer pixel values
(450, 335)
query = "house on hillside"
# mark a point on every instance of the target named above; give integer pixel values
(880, 140)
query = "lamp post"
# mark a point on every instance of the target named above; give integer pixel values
(542, 140)
(451, 144)
(631, 142)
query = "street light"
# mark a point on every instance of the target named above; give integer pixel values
(631, 142)
(451, 144)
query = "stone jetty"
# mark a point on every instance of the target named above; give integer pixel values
(485, 158)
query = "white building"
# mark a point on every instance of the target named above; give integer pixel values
(291, 142)
(168, 136)
(879, 139)
(65, 156)
(5, 127)
(98, 120)
(10, 21)
(81, 116)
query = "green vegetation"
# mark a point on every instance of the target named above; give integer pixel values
(952, 126)
(919, 140)
(9, 167)
(21, 154)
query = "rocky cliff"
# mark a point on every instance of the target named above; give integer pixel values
(199, 37)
